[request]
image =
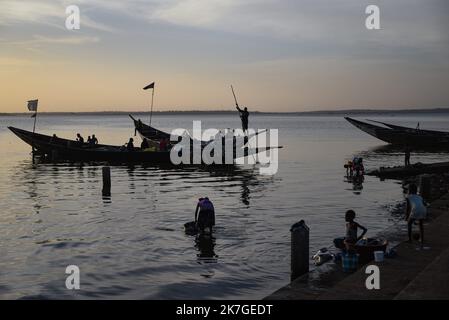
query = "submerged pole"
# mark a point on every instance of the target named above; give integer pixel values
(299, 249)
(106, 181)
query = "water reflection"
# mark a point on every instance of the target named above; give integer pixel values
(205, 244)
(356, 181)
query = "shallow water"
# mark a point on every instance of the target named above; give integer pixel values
(132, 245)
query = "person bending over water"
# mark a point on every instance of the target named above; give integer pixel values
(416, 211)
(205, 215)
(352, 228)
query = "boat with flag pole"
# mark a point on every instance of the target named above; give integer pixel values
(60, 149)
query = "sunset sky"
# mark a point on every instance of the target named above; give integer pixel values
(280, 55)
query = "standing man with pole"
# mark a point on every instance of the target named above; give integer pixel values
(151, 86)
(244, 114)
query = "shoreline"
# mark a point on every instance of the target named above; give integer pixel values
(412, 274)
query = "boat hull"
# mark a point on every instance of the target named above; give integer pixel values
(56, 149)
(403, 136)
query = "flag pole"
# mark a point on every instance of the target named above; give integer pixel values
(152, 99)
(35, 117)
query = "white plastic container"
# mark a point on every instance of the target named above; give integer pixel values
(378, 256)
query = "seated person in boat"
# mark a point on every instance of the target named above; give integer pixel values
(205, 215)
(416, 211)
(144, 145)
(93, 141)
(54, 138)
(352, 228)
(163, 144)
(79, 138)
(130, 145)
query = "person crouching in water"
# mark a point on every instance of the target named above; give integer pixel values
(352, 228)
(416, 211)
(205, 215)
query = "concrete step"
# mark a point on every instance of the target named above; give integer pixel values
(430, 284)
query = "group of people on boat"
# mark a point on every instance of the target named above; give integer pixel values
(91, 140)
(149, 145)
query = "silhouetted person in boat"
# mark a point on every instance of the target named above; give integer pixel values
(144, 145)
(407, 156)
(93, 140)
(205, 215)
(53, 139)
(163, 144)
(244, 115)
(79, 138)
(130, 145)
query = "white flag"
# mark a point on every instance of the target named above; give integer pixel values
(32, 105)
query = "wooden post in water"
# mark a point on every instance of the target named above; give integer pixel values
(106, 181)
(299, 249)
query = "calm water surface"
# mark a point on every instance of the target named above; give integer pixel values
(133, 245)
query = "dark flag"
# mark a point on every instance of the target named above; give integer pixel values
(150, 86)
(32, 105)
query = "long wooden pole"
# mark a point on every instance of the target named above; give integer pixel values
(235, 98)
(35, 117)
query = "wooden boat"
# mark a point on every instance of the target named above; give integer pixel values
(148, 132)
(412, 170)
(404, 136)
(63, 149)
(414, 130)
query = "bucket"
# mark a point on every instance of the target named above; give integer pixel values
(349, 262)
(378, 256)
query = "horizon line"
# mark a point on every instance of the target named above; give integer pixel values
(338, 111)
